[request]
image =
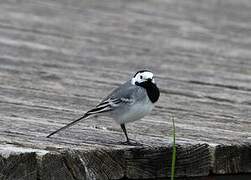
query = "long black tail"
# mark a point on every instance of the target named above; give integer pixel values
(100, 108)
(69, 125)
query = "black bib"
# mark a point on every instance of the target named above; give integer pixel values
(151, 89)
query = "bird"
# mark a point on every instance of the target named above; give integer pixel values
(129, 102)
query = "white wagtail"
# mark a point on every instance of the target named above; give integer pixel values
(129, 102)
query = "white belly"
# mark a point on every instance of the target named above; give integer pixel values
(136, 112)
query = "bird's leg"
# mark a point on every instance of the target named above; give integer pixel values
(128, 142)
(124, 130)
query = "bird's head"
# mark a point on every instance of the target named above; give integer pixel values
(142, 76)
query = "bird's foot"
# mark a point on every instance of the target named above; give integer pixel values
(131, 142)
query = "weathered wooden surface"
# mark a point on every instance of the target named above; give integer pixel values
(59, 58)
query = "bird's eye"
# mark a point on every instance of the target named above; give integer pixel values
(141, 77)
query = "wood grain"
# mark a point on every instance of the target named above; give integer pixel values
(60, 58)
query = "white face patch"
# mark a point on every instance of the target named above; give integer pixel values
(142, 77)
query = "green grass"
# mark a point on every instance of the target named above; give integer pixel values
(174, 152)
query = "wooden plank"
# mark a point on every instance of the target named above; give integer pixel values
(58, 59)
(232, 159)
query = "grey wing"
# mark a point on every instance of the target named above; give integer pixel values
(126, 94)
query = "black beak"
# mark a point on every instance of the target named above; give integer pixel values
(149, 80)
